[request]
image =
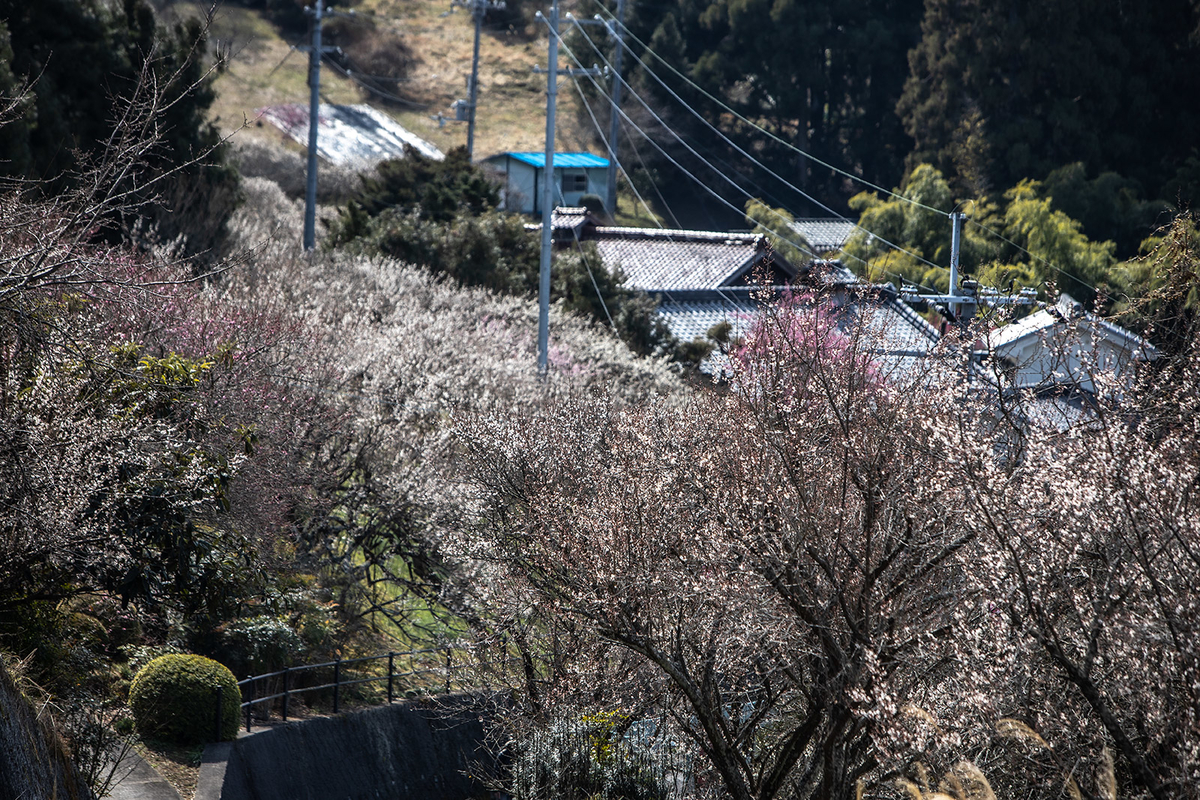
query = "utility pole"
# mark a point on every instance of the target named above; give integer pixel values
(965, 296)
(314, 104)
(956, 221)
(548, 197)
(479, 9)
(552, 72)
(614, 125)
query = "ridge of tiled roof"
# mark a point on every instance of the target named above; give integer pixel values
(824, 234)
(671, 234)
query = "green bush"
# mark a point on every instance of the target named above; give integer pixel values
(174, 698)
(597, 757)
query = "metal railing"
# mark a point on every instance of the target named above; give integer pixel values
(253, 696)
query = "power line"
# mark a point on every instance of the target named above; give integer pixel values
(582, 257)
(613, 149)
(1006, 240)
(646, 172)
(812, 199)
(755, 125)
(356, 77)
(799, 151)
(718, 132)
(681, 168)
(720, 199)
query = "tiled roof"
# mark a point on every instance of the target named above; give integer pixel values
(900, 342)
(566, 218)
(690, 318)
(824, 235)
(567, 160)
(672, 260)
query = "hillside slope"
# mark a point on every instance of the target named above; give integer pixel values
(263, 70)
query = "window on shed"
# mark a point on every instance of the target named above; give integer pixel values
(574, 182)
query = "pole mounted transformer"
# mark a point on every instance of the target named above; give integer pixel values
(965, 296)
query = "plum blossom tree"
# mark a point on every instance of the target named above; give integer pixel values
(830, 584)
(768, 568)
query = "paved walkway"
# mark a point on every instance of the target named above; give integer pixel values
(137, 780)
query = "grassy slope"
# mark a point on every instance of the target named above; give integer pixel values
(512, 100)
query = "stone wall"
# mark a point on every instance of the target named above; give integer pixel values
(33, 761)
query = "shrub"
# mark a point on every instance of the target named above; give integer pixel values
(174, 698)
(260, 644)
(594, 757)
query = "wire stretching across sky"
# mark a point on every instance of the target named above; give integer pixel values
(858, 179)
(702, 119)
(746, 194)
(634, 125)
(570, 53)
(613, 149)
(614, 21)
(728, 141)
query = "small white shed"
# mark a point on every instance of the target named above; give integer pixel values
(521, 174)
(1064, 345)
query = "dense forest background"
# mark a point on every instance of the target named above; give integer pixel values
(1093, 98)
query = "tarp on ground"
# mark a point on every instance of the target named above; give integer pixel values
(351, 136)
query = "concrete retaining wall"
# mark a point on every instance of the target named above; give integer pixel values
(33, 761)
(409, 750)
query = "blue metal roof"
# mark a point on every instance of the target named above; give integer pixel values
(572, 160)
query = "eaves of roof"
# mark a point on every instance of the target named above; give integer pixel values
(561, 160)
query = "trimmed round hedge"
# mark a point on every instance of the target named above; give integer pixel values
(174, 698)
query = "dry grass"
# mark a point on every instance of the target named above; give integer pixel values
(512, 99)
(179, 766)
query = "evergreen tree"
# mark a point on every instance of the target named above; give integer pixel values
(823, 75)
(84, 62)
(1004, 90)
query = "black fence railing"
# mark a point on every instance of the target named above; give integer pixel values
(429, 671)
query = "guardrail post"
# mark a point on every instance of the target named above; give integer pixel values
(285, 693)
(220, 692)
(337, 682)
(391, 673)
(249, 704)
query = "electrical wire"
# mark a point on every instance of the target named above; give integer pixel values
(571, 54)
(710, 126)
(1006, 240)
(626, 120)
(789, 145)
(858, 179)
(660, 121)
(354, 76)
(646, 172)
(584, 258)
(613, 149)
